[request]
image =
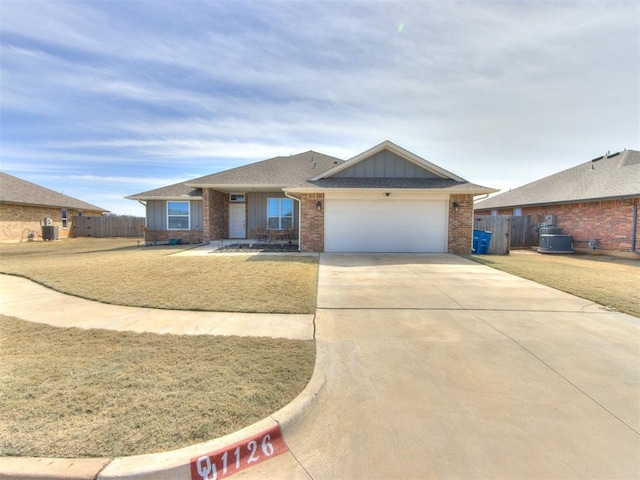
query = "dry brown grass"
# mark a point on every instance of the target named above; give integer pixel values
(79, 393)
(95, 393)
(609, 281)
(117, 271)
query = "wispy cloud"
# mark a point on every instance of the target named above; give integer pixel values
(112, 89)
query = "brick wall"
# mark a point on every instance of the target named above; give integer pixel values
(17, 220)
(215, 212)
(609, 221)
(460, 224)
(311, 222)
(162, 237)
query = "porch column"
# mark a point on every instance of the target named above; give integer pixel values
(312, 222)
(206, 215)
(460, 224)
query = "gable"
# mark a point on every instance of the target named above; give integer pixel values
(385, 164)
(388, 157)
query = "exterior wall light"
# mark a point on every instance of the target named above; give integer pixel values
(319, 205)
(386, 194)
(456, 207)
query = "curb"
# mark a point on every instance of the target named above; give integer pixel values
(170, 465)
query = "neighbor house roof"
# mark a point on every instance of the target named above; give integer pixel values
(607, 177)
(17, 191)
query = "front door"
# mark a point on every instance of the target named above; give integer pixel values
(237, 221)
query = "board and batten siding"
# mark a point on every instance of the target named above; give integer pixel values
(157, 214)
(385, 164)
(257, 209)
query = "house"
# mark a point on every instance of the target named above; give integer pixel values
(385, 199)
(25, 207)
(596, 200)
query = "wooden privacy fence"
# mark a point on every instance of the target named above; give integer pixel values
(509, 232)
(108, 226)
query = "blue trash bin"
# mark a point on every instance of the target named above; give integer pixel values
(477, 234)
(481, 241)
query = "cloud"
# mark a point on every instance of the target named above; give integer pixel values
(92, 89)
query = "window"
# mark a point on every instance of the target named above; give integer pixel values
(65, 219)
(279, 213)
(236, 198)
(517, 212)
(178, 215)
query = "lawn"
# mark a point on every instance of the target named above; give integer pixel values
(610, 281)
(95, 393)
(74, 393)
(118, 271)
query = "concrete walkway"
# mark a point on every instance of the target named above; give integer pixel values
(30, 301)
(432, 366)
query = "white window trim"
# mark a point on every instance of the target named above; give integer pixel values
(280, 217)
(64, 214)
(188, 215)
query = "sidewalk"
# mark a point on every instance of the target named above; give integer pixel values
(30, 301)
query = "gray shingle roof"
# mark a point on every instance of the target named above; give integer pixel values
(170, 191)
(18, 191)
(278, 171)
(615, 176)
(275, 172)
(292, 173)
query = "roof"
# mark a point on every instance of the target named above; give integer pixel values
(448, 184)
(170, 192)
(18, 191)
(313, 171)
(274, 173)
(608, 177)
(278, 172)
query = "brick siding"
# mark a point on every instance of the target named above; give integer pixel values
(609, 221)
(16, 221)
(162, 237)
(460, 224)
(215, 215)
(311, 222)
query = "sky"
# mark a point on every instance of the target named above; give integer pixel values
(102, 99)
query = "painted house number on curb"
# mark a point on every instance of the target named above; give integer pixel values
(236, 457)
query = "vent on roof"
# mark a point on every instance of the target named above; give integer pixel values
(614, 155)
(596, 159)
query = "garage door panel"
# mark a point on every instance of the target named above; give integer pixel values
(385, 226)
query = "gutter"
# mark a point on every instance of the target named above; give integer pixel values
(286, 194)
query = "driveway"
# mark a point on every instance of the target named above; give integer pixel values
(438, 367)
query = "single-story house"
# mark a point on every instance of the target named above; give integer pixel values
(596, 200)
(385, 199)
(25, 207)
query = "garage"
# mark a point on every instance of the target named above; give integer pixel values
(394, 223)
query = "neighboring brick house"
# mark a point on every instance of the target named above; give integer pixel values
(25, 207)
(386, 199)
(597, 199)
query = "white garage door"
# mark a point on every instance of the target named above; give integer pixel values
(387, 225)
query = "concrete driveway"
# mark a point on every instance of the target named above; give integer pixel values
(438, 367)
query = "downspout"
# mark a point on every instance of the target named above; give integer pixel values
(299, 217)
(634, 225)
